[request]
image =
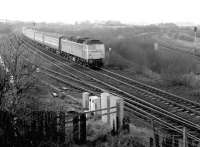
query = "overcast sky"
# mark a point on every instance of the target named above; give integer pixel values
(126, 11)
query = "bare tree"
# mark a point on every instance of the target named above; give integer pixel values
(16, 77)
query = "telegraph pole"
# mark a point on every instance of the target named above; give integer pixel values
(195, 34)
(195, 38)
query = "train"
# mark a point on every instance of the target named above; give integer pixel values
(82, 50)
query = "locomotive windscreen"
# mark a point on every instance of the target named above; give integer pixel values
(94, 42)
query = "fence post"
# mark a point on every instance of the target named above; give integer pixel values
(83, 128)
(57, 127)
(43, 123)
(120, 114)
(76, 128)
(33, 127)
(173, 141)
(154, 134)
(151, 142)
(113, 132)
(53, 126)
(126, 125)
(49, 122)
(176, 142)
(62, 127)
(108, 110)
(184, 137)
(157, 142)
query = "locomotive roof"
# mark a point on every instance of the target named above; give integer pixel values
(93, 41)
(85, 40)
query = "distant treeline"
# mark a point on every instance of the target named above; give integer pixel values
(5, 28)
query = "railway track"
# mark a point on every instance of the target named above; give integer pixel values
(132, 101)
(177, 100)
(192, 106)
(160, 97)
(132, 106)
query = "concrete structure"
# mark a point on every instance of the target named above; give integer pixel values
(94, 103)
(112, 107)
(108, 101)
(85, 100)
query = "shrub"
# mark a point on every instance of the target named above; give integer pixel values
(5, 28)
(191, 80)
(174, 68)
(186, 38)
(123, 140)
(116, 61)
(97, 130)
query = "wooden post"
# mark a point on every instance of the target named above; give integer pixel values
(54, 126)
(173, 141)
(43, 123)
(120, 114)
(76, 129)
(176, 142)
(184, 137)
(108, 110)
(113, 128)
(154, 134)
(62, 126)
(151, 142)
(83, 128)
(157, 142)
(57, 126)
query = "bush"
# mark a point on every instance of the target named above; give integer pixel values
(175, 67)
(191, 80)
(97, 130)
(123, 140)
(116, 61)
(5, 28)
(186, 38)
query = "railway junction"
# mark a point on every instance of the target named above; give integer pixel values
(172, 114)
